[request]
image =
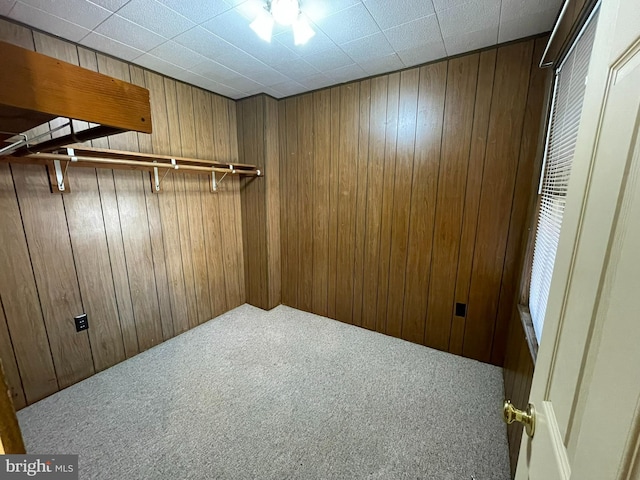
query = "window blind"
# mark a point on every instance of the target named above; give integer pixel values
(566, 110)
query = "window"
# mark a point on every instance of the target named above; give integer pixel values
(566, 109)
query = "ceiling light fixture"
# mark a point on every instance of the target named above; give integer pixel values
(286, 13)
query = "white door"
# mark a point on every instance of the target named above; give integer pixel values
(586, 386)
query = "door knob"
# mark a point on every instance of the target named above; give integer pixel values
(527, 418)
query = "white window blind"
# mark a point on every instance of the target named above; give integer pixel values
(566, 110)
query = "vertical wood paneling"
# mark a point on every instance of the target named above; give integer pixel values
(91, 255)
(431, 97)
(55, 273)
(452, 182)
(405, 147)
(9, 365)
(412, 198)
(347, 185)
(526, 182)
(321, 185)
(112, 248)
(361, 199)
(386, 227)
(334, 192)
(484, 92)
(375, 174)
(272, 185)
(305, 201)
(513, 66)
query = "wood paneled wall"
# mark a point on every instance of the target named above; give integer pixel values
(144, 267)
(406, 193)
(259, 145)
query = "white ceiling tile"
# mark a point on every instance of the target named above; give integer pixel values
(422, 54)
(319, 10)
(112, 47)
(391, 14)
(466, 42)
(6, 6)
(346, 74)
(198, 11)
(469, 17)
(296, 69)
(158, 65)
(129, 33)
(245, 84)
(287, 88)
(528, 25)
(423, 31)
(214, 71)
(379, 65)
(80, 12)
(329, 59)
(366, 48)
(513, 9)
(155, 16)
(267, 75)
(349, 24)
(444, 4)
(112, 5)
(225, 90)
(315, 81)
(45, 21)
(192, 78)
(203, 42)
(176, 54)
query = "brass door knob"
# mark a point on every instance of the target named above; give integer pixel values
(527, 418)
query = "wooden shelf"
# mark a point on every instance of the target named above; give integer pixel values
(37, 89)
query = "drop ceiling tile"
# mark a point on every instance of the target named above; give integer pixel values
(423, 31)
(287, 88)
(129, 33)
(158, 65)
(155, 16)
(245, 84)
(528, 25)
(296, 69)
(349, 24)
(422, 54)
(379, 65)
(81, 12)
(315, 81)
(513, 9)
(45, 21)
(111, 5)
(198, 11)
(203, 42)
(112, 47)
(469, 17)
(267, 75)
(319, 10)
(6, 6)
(329, 59)
(444, 4)
(346, 74)
(176, 54)
(367, 48)
(466, 42)
(214, 71)
(391, 14)
(192, 78)
(223, 89)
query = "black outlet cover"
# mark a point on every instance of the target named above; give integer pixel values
(82, 323)
(461, 309)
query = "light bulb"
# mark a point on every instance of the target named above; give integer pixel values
(302, 31)
(263, 26)
(285, 12)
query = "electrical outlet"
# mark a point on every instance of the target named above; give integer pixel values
(82, 323)
(461, 309)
